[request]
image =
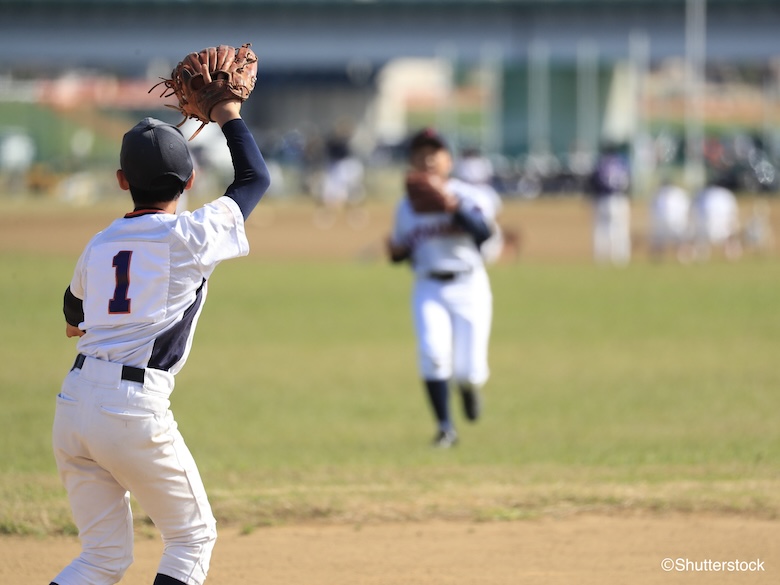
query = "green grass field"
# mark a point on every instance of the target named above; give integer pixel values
(655, 388)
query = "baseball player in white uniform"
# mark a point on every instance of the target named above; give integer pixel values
(134, 302)
(669, 221)
(716, 223)
(609, 186)
(451, 299)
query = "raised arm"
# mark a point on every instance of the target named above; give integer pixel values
(251, 178)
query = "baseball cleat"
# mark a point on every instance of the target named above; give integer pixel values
(445, 439)
(472, 402)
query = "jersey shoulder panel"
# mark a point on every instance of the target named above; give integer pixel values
(214, 232)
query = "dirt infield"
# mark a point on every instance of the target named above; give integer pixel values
(281, 231)
(580, 550)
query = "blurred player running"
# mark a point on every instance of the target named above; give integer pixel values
(451, 300)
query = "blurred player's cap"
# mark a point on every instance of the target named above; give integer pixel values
(426, 137)
(152, 153)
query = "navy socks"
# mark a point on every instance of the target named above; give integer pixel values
(438, 394)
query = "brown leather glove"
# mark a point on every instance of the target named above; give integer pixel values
(427, 193)
(216, 74)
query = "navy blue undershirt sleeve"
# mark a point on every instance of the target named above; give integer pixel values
(73, 308)
(251, 179)
(473, 222)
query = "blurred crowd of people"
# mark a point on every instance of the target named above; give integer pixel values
(336, 173)
(693, 228)
(690, 227)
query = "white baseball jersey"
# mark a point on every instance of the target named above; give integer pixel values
(435, 244)
(716, 215)
(669, 210)
(123, 268)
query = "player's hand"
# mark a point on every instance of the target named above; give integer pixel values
(224, 112)
(451, 202)
(395, 252)
(428, 193)
(73, 331)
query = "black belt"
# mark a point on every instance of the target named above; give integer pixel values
(129, 373)
(446, 276)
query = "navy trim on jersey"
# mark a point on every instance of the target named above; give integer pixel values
(474, 223)
(73, 308)
(251, 179)
(140, 212)
(170, 346)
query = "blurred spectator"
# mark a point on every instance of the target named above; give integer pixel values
(716, 223)
(17, 155)
(473, 167)
(608, 188)
(309, 152)
(343, 180)
(669, 217)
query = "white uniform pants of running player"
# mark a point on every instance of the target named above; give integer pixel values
(112, 437)
(612, 230)
(452, 320)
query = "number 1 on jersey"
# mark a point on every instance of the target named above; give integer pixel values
(120, 303)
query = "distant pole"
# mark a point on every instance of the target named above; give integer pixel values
(588, 98)
(539, 98)
(641, 163)
(493, 90)
(770, 95)
(447, 116)
(695, 61)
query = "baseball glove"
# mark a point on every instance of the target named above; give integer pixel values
(426, 193)
(202, 80)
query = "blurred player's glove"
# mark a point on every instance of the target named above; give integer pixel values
(216, 74)
(426, 193)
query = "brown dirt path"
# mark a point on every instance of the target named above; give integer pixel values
(576, 550)
(547, 230)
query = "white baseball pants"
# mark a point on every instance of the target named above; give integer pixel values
(113, 437)
(612, 230)
(452, 320)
